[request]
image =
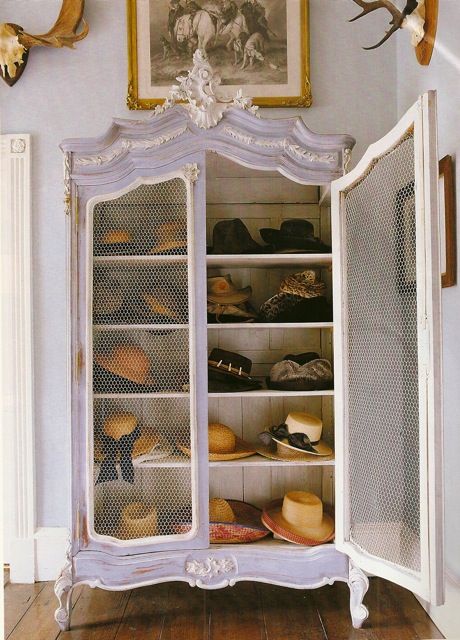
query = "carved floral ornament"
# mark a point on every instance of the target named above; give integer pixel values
(210, 568)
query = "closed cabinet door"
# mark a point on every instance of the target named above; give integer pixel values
(387, 357)
(145, 462)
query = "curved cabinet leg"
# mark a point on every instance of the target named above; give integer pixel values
(358, 584)
(63, 590)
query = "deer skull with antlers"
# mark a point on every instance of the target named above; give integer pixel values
(15, 43)
(412, 17)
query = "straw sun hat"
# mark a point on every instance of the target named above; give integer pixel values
(286, 436)
(299, 517)
(223, 444)
(138, 520)
(127, 361)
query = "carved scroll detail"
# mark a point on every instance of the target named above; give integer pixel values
(210, 568)
(358, 584)
(63, 590)
(280, 143)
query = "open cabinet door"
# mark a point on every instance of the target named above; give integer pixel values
(388, 409)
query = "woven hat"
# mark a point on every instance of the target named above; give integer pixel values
(299, 517)
(223, 444)
(170, 237)
(116, 236)
(145, 444)
(222, 291)
(276, 451)
(127, 361)
(229, 371)
(138, 520)
(232, 236)
(315, 375)
(233, 522)
(294, 235)
(311, 426)
(159, 308)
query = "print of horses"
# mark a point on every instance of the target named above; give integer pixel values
(197, 32)
(234, 29)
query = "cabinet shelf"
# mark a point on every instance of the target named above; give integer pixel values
(251, 461)
(268, 260)
(150, 327)
(272, 325)
(129, 396)
(139, 259)
(269, 393)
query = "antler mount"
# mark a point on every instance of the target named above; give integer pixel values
(15, 43)
(412, 17)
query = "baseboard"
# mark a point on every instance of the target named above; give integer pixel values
(447, 617)
(50, 552)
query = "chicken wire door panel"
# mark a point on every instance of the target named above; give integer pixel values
(387, 357)
(143, 461)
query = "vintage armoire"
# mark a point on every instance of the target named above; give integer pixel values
(191, 164)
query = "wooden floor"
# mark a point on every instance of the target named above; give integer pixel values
(247, 611)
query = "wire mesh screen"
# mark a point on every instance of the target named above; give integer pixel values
(151, 219)
(142, 474)
(381, 325)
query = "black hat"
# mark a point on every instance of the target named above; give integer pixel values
(296, 309)
(294, 235)
(229, 371)
(231, 237)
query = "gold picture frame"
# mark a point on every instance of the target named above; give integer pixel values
(140, 85)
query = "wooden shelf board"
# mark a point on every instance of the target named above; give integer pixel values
(270, 260)
(151, 327)
(272, 543)
(128, 396)
(139, 259)
(273, 325)
(269, 393)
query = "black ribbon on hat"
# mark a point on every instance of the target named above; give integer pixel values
(110, 448)
(297, 440)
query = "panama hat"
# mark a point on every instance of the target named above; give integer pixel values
(222, 291)
(294, 235)
(223, 444)
(138, 520)
(301, 424)
(128, 362)
(300, 518)
(231, 522)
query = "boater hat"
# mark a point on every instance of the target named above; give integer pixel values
(299, 517)
(223, 444)
(222, 291)
(127, 361)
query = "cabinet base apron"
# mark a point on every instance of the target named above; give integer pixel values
(215, 568)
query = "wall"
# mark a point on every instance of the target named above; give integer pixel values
(71, 93)
(443, 74)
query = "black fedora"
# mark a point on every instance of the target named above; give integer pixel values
(229, 371)
(231, 237)
(294, 235)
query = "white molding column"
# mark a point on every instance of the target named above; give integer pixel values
(17, 356)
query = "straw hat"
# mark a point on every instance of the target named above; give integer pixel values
(223, 444)
(311, 426)
(158, 307)
(231, 522)
(299, 517)
(127, 361)
(119, 425)
(170, 236)
(116, 236)
(147, 441)
(222, 291)
(138, 520)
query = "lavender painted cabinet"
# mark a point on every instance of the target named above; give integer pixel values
(142, 201)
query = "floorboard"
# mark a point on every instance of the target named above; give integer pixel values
(247, 611)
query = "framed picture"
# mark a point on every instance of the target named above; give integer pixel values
(260, 46)
(447, 222)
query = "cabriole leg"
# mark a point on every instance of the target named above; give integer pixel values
(358, 584)
(63, 590)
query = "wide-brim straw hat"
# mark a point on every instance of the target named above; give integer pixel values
(222, 291)
(138, 520)
(127, 361)
(321, 448)
(299, 518)
(246, 526)
(158, 307)
(223, 444)
(170, 237)
(278, 451)
(120, 424)
(146, 444)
